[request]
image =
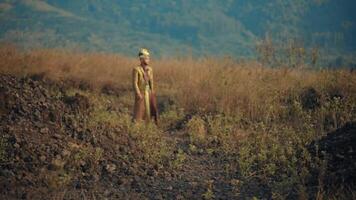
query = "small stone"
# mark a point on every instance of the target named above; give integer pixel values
(57, 136)
(44, 130)
(65, 153)
(110, 168)
(43, 158)
(193, 184)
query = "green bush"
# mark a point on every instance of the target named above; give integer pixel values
(151, 141)
(196, 130)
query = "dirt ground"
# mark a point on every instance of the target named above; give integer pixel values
(49, 152)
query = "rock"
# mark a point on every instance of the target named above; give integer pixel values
(110, 168)
(43, 158)
(65, 153)
(57, 136)
(44, 130)
(337, 148)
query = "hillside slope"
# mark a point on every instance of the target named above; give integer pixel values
(200, 27)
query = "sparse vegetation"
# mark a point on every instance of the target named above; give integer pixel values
(227, 129)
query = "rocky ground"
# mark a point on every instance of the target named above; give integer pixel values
(48, 151)
(337, 149)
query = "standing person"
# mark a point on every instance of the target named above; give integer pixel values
(145, 105)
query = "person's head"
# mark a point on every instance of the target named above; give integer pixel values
(144, 56)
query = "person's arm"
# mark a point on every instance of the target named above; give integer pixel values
(135, 82)
(151, 80)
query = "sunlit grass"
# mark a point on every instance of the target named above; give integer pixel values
(257, 118)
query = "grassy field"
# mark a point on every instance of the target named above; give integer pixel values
(253, 123)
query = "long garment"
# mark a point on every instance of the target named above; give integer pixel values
(146, 107)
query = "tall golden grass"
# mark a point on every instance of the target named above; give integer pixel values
(222, 85)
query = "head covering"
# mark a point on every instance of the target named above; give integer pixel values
(143, 53)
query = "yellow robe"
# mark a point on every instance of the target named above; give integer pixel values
(140, 86)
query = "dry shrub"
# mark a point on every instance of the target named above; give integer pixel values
(264, 115)
(207, 85)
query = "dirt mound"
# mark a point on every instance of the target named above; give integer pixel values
(338, 149)
(48, 150)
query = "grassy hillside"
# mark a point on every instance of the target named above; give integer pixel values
(227, 129)
(200, 27)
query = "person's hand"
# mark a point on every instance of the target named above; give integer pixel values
(139, 96)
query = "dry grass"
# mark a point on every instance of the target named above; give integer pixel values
(220, 85)
(263, 115)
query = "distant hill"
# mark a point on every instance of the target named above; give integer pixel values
(199, 27)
